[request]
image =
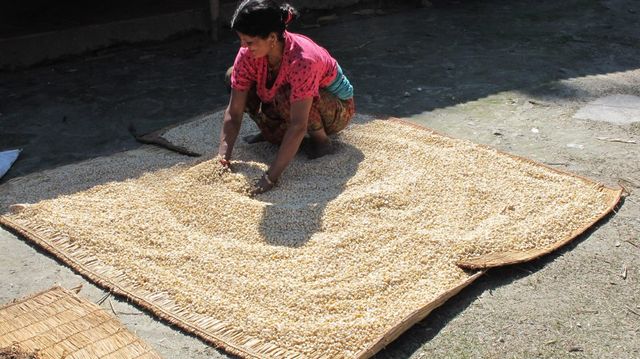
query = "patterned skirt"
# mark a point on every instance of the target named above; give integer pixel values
(327, 112)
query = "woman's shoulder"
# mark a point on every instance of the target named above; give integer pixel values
(299, 38)
(302, 49)
(299, 44)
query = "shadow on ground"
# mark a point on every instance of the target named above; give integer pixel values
(303, 207)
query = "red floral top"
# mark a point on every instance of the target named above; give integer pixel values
(306, 67)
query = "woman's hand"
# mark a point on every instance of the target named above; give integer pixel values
(226, 164)
(264, 184)
(221, 165)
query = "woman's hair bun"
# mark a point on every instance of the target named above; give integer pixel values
(289, 13)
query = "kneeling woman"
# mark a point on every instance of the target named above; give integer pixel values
(289, 85)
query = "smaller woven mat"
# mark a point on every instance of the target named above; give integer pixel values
(58, 324)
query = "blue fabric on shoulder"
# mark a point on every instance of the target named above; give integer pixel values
(341, 87)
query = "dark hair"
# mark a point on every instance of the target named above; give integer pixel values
(262, 17)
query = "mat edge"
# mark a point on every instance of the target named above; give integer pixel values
(99, 280)
(482, 262)
(417, 315)
(488, 147)
(477, 263)
(30, 296)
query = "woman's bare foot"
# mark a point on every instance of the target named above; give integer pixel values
(318, 149)
(258, 137)
(319, 144)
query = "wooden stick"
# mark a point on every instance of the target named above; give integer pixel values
(214, 12)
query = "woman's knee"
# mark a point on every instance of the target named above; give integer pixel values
(227, 79)
(335, 114)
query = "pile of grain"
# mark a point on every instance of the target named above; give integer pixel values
(343, 249)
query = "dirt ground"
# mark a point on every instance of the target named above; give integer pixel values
(510, 74)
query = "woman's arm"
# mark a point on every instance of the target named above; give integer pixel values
(231, 124)
(296, 130)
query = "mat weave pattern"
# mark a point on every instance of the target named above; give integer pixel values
(348, 252)
(58, 324)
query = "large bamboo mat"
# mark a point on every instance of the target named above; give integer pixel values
(347, 253)
(58, 324)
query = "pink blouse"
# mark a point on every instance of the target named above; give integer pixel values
(305, 66)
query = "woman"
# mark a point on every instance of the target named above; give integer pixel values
(289, 85)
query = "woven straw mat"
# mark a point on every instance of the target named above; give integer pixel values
(346, 253)
(58, 324)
